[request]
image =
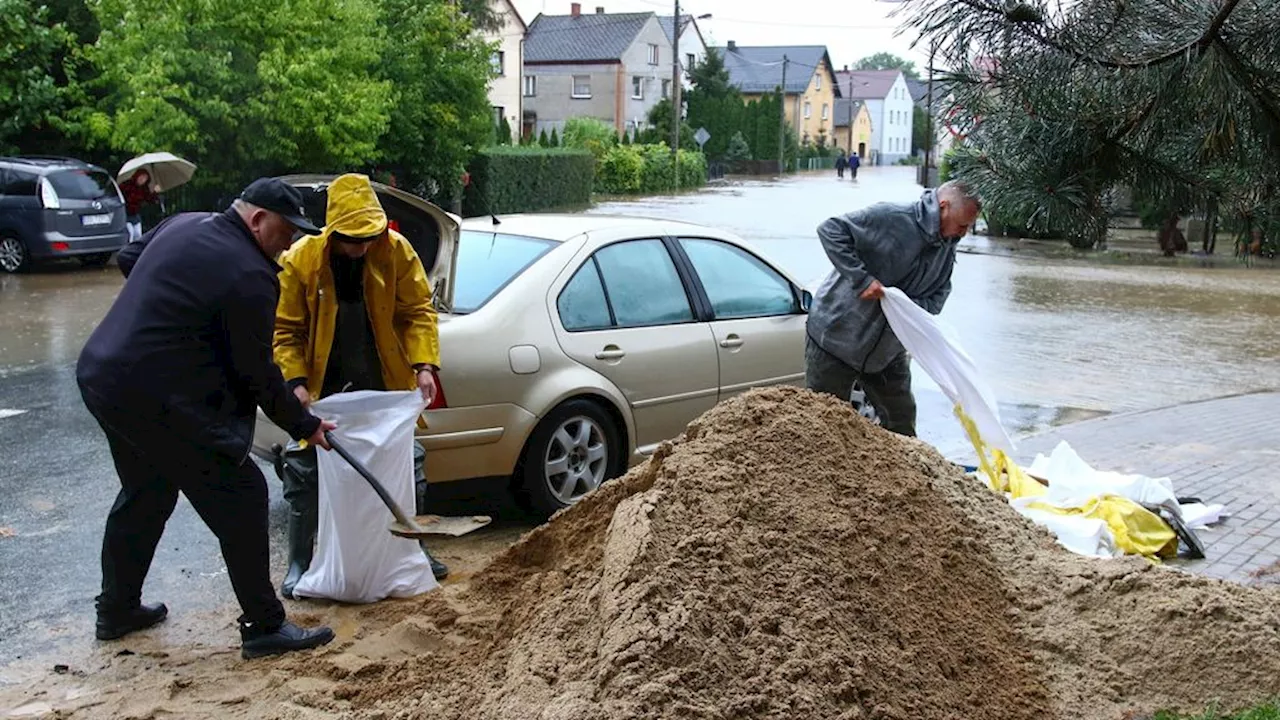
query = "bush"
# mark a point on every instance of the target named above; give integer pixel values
(738, 148)
(590, 134)
(526, 179)
(620, 171)
(693, 169)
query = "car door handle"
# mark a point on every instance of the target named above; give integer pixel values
(731, 341)
(611, 352)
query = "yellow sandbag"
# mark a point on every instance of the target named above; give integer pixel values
(1137, 531)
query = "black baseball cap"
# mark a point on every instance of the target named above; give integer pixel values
(281, 198)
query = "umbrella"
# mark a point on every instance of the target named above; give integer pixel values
(167, 170)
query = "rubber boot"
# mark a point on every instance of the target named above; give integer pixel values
(439, 569)
(300, 476)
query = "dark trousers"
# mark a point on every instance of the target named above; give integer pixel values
(888, 390)
(229, 496)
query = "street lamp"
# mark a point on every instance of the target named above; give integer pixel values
(677, 27)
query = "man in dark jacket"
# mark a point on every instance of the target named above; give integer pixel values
(174, 375)
(910, 247)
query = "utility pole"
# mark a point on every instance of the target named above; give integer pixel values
(929, 136)
(782, 121)
(675, 94)
(853, 117)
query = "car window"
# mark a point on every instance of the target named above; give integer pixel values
(487, 262)
(738, 283)
(15, 183)
(582, 303)
(82, 184)
(642, 284)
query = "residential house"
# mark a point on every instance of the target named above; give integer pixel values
(853, 127)
(693, 48)
(611, 66)
(810, 91)
(508, 63)
(888, 99)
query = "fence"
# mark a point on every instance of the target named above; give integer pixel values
(716, 170)
(817, 163)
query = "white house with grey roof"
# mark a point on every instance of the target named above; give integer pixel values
(888, 98)
(693, 47)
(611, 66)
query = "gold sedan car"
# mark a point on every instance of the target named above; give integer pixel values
(572, 345)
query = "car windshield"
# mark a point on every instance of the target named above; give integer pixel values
(82, 184)
(487, 262)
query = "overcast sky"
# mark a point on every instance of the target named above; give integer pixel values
(851, 29)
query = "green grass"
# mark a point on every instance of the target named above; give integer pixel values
(1266, 711)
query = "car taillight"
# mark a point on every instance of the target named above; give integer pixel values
(59, 247)
(439, 403)
(49, 196)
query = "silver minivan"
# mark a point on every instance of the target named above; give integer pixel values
(55, 207)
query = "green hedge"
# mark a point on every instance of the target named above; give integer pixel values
(528, 179)
(628, 169)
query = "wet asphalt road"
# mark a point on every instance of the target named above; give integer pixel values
(1058, 341)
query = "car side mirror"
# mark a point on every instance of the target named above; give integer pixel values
(806, 300)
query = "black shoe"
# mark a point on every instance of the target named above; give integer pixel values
(114, 625)
(286, 638)
(439, 569)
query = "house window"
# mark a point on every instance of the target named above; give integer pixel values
(653, 54)
(582, 86)
(530, 85)
(808, 111)
(690, 60)
(826, 112)
(499, 62)
(666, 89)
(817, 79)
(637, 87)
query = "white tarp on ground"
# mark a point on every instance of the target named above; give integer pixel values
(1073, 483)
(357, 560)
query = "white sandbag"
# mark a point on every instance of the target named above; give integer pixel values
(1074, 482)
(357, 560)
(1080, 535)
(934, 346)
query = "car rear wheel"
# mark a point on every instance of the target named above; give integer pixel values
(95, 260)
(13, 254)
(572, 451)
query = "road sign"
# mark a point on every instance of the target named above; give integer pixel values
(701, 136)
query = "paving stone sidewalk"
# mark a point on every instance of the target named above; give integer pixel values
(1222, 451)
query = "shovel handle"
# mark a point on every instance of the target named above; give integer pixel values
(377, 486)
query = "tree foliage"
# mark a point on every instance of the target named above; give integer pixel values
(41, 65)
(888, 61)
(1062, 104)
(438, 71)
(243, 89)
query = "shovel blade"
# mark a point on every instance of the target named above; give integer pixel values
(441, 525)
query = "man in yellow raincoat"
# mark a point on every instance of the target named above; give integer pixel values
(354, 314)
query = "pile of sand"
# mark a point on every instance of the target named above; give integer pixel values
(784, 559)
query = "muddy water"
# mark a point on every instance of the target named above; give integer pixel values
(46, 315)
(1050, 334)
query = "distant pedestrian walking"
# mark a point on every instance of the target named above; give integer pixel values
(842, 162)
(854, 162)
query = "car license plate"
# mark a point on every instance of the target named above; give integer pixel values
(95, 220)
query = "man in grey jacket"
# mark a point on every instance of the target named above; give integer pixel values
(910, 247)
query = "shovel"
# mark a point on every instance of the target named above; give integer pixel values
(413, 528)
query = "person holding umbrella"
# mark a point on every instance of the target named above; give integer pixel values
(174, 375)
(137, 192)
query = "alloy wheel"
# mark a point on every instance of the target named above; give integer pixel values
(12, 254)
(577, 459)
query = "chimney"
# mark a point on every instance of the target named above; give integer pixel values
(575, 9)
(599, 10)
(733, 46)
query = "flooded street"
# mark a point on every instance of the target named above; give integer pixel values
(1058, 340)
(1053, 337)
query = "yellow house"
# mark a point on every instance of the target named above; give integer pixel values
(853, 127)
(805, 73)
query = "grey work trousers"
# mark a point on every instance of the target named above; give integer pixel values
(888, 390)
